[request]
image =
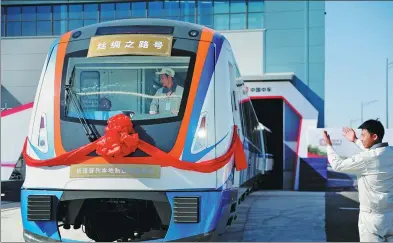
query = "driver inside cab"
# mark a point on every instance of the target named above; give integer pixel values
(167, 99)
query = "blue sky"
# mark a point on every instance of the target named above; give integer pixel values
(359, 38)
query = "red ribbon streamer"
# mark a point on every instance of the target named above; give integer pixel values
(120, 139)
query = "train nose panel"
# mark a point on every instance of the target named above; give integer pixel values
(122, 215)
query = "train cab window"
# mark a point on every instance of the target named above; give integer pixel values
(146, 88)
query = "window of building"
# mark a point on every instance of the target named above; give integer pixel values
(59, 27)
(75, 16)
(255, 20)
(221, 21)
(29, 16)
(123, 10)
(156, 9)
(90, 14)
(187, 11)
(256, 6)
(2, 22)
(29, 28)
(44, 17)
(44, 28)
(60, 12)
(60, 16)
(238, 21)
(221, 7)
(138, 9)
(172, 8)
(57, 19)
(13, 14)
(238, 6)
(75, 11)
(205, 7)
(44, 13)
(29, 13)
(107, 12)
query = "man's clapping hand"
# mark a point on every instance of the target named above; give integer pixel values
(349, 134)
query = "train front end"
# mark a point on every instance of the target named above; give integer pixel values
(152, 173)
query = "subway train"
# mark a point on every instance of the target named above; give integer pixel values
(141, 130)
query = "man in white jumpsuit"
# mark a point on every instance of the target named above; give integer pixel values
(373, 167)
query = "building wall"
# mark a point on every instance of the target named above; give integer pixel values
(249, 55)
(21, 64)
(295, 42)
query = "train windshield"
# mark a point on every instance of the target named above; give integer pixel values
(143, 87)
(146, 77)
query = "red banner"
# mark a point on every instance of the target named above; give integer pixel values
(120, 139)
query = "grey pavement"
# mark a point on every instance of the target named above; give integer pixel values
(11, 222)
(279, 216)
(342, 212)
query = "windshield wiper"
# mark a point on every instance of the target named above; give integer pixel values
(91, 134)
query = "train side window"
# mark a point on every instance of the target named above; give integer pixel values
(241, 111)
(232, 81)
(234, 100)
(237, 72)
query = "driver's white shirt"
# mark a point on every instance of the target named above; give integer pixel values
(164, 103)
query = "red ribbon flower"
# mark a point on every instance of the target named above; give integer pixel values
(120, 138)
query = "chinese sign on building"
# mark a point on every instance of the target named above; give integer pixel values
(115, 171)
(130, 44)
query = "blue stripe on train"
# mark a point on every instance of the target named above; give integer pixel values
(204, 83)
(42, 228)
(211, 207)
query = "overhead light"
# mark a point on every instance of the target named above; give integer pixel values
(193, 33)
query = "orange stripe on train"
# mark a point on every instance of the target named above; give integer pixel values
(203, 48)
(61, 51)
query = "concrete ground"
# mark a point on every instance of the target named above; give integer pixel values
(11, 223)
(263, 216)
(279, 216)
(342, 211)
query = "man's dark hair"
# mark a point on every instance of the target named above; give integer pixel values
(374, 127)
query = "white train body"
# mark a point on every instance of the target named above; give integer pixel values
(214, 100)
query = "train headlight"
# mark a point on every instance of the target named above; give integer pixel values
(202, 133)
(43, 135)
(200, 140)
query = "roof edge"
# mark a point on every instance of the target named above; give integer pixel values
(287, 76)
